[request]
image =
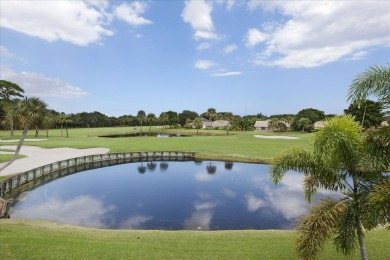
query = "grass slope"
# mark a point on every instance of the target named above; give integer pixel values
(23, 239)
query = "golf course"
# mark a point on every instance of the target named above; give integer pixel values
(36, 239)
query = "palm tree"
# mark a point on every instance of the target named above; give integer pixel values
(342, 160)
(151, 118)
(164, 118)
(29, 113)
(64, 119)
(141, 117)
(228, 117)
(198, 123)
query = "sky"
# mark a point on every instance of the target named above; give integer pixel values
(246, 57)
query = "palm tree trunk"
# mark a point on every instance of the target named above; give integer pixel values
(18, 147)
(12, 128)
(66, 129)
(362, 244)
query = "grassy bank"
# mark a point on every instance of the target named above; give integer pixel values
(213, 144)
(22, 239)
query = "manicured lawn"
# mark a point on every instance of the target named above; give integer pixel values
(238, 146)
(22, 239)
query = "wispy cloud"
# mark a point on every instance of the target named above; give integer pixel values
(226, 74)
(204, 64)
(36, 84)
(230, 48)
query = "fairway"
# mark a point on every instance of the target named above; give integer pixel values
(210, 144)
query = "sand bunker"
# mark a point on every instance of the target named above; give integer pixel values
(276, 137)
(37, 157)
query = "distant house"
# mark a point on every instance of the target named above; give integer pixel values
(263, 126)
(319, 124)
(215, 124)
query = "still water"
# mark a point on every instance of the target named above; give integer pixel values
(170, 196)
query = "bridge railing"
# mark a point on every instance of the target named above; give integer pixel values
(82, 163)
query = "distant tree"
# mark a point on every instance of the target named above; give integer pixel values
(185, 115)
(312, 114)
(29, 112)
(228, 116)
(9, 92)
(163, 118)
(151, 119)
(304, 124)
(64, 119)
(141, 116)
(48, 122)
(211, 114)
(173, 118)
(198, 124)
(368, 113)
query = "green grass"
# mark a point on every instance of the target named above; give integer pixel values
(238, 146)
(29, 239)
(23, 239)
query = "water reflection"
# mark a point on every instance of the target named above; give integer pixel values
(189, 197)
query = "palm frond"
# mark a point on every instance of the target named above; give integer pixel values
(315, 228)
(345, 240)
(373, 81)
(376, 202)
(295, 159)
(339, 143)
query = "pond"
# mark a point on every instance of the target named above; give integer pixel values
(169, 196)
(161, 135)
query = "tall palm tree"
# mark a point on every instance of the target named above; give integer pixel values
(151, 119)
(141, 116)
(29, 113)
(198, 123)
(342, 160)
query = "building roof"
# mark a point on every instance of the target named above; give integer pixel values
(263, 123)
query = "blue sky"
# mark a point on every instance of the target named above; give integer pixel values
(245, 57)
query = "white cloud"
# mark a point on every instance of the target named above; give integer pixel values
(4, 52)
(130, 13)
(204, 64)
(321, 32)
(229, 193)
(228, 73)
(205, 205)
(81, 211)
(77, 22)
(204, 46)
(254, 37)
(35, 84)
(198, 14)
(230, 48)
(205, 35)
(254, 204)
(135, 222)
